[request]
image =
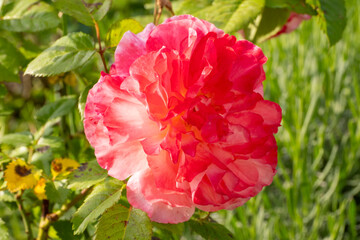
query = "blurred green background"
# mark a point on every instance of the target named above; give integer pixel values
(315, 194)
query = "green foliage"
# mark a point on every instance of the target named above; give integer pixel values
(56, 109)
(4, 234)
(272, 20)
(118, 29)
(85, 12)
(30, 16)
(17, 139)
(246, 12)
(10, 61)
(87, 175)
(119, 222)
(104, 195)
(67, 53)
(3, 91)
(76, 9)
(63, 230)
(82, 100)
(101, 12)
(56, 193)
(315, 191)
(210, 230)
(334, 23)
(299, 6)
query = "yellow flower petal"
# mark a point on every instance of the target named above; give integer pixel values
(63, 166)
(19, 176)
(39, 189)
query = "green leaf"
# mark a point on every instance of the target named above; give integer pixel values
(3, 90)
(8, 76)
(4, 233)
(299, 6)
(55, 143)
(63, 230)
(30, 16)
(210, 230)
(10, 61)
(191, 6)
(101, 198)
(6, 196)
(112, 223)
(334, 19)
(118, 29)
(82, 100)
(232, 15)
(56, 109)
(176, 229)
(101, 12)
(119, 222)
(4, 113)
(17, 139)
(272, 20)
(352, 217)
(219, 12)
(138, 226)
(67, 53)
(76, 9)
(56, 194)
(87, 175)
(246, 12)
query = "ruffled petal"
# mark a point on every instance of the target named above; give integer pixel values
(131, 46)
(161, 205)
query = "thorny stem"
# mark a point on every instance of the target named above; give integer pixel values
(24, 217)
(48, 218)
(101, 50)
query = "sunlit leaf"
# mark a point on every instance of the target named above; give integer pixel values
(101, 12)
(67, 53)
(246, 12)
(17, 139)
(118, 29)
(76, 9)
(30, 16)
(57, 193)
(101, 198)
(119, 222)
(87, 175)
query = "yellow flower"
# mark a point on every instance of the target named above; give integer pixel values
(39, 189)
(19, 175)
(63, 166)
(68, 78)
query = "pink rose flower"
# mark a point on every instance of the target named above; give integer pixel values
(292, 23)
(182, 114)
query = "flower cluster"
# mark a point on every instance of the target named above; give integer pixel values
(20, 175)
(182, 114)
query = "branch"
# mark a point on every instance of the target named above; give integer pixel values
(24, 217)
(101, 50)
(48, 218)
